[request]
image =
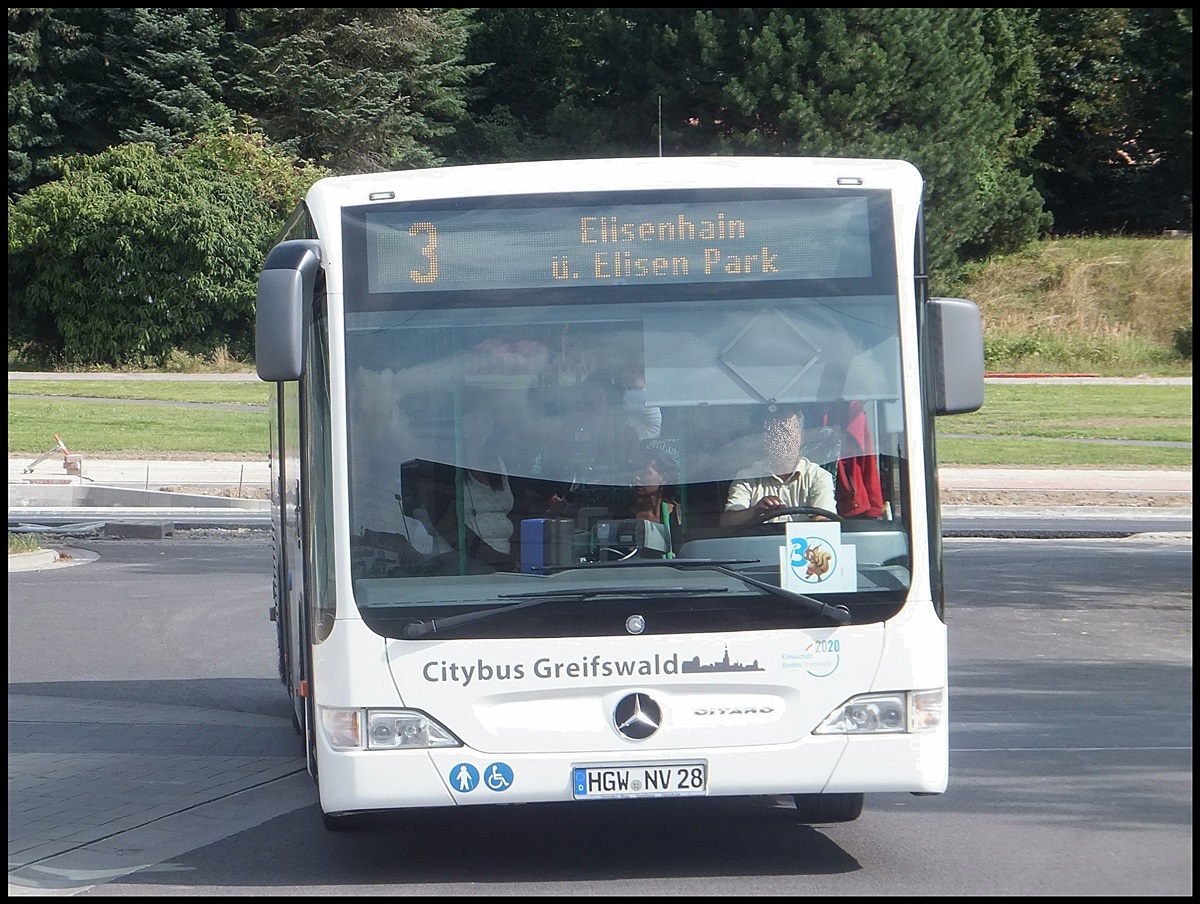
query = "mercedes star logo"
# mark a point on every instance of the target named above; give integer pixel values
(637, 716)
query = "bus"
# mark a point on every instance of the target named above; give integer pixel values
(518, 422)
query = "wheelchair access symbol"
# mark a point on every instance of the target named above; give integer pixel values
(498, 777)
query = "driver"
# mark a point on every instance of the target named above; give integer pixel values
(783, 479)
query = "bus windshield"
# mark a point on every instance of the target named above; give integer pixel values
(608, 432)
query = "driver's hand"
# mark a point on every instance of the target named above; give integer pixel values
(767, 504)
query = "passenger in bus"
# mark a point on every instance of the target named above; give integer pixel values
(592, 447)
(645, 420)
(655, 493)
(782, 479)
(486, 494)
(859, 491)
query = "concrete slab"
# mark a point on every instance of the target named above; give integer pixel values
(139, 530)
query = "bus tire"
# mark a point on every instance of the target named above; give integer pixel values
(824, 808)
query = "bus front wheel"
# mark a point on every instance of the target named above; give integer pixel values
(817, 808)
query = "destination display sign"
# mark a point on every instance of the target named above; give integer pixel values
(410, 249)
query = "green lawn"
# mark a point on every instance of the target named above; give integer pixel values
(1040, 424)
(1067, 410)
(252, 392)
(1016, 453)
(106, 426)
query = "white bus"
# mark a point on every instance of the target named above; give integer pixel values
(517, 453)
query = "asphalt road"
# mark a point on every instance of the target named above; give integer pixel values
(150, 751)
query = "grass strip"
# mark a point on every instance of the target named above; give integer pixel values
(117, 427)
(236, 393)
(1022, 424)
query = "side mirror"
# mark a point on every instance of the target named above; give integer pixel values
(285, 290)
(954, 342)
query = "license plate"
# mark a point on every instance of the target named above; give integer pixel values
(654, 780)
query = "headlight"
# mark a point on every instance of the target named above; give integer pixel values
(895, 713)
(386, 729)
(404, 729)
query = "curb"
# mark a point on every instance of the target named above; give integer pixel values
(34, 560)
(1013, 376)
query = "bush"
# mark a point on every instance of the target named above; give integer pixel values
(1183, 341)
(1066, 353)
(133, 253)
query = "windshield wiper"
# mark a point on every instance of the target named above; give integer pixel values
(645, 563)
(838, 614)
(535, 598)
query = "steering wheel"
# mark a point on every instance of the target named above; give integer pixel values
(760, 520)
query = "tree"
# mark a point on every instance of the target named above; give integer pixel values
(357, 89)
(1157, 121)
(352, 89)
(943, 89)
(41, 45)
(133, 253)
(1116, 108)
(151, 76)
(84, 79)
(521, 58)
(948, 90)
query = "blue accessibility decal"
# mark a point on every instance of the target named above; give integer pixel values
(464, 777)
(498, 776)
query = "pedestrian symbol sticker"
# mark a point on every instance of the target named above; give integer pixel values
(464, 777)
(498, 776)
